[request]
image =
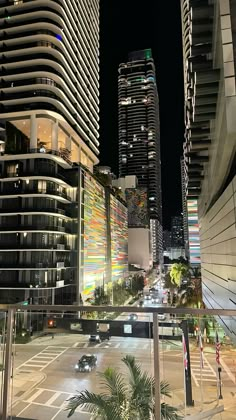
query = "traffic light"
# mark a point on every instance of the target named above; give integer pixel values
(52, 323)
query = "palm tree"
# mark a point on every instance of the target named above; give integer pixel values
(191, 294)
(121, 400)
(177, 272)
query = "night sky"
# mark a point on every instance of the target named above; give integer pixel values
(129, 25)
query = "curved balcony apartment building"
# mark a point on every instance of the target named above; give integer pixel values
(49, 124)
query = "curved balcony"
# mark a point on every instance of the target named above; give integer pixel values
(34, 266)
(33, 247)
(23, 190)
(41, 173)
(32, 210)
(34, 228)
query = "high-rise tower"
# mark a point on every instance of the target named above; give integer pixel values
(139, 134)
(49, 123)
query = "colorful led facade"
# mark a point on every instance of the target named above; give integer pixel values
(95, 234)
(119, 239)
(193, 230)
(103, 236)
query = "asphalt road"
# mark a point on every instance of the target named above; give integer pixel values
(44, 375)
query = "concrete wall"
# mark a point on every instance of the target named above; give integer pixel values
(223, 128)
(139, 247)
(218, 254)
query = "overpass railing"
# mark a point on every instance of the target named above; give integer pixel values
(41, 345)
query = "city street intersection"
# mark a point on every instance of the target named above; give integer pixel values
(44, 375)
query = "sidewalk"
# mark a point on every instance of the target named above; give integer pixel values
(23, 382)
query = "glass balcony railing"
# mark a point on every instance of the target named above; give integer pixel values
(157, 362)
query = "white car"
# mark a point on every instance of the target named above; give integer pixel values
(147, 297)
(161, 317)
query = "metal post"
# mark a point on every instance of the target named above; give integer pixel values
(220, 396)
(156, 367)
(188, 382)
(8, 364)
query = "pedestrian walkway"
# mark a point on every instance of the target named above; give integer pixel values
(202, 374)
(114, 345)
(42, 359)
(43, 403)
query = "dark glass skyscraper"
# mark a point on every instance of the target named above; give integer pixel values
(139, 134)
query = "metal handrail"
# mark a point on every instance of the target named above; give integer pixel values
(105, 308)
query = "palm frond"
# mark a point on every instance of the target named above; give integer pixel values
(115, 384)
(165, 389)
(169, 413)
(117, 403)
(142, 388)
(89, 400)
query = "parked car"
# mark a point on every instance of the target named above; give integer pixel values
(86, 363)
(147, 297)
(132, 317)
(141, 303)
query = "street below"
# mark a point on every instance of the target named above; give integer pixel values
(44, 374)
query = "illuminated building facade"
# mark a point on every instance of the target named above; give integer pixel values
(93, 235)
(139, 135)
(49, 124)
(119, 239)
(103, 233)
(209, 52)
(184, 207)
(193, 232)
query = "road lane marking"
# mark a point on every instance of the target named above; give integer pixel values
(205, 374)
(34, 396)
(53, 398)
(227, 370)
(43, 357)
(57, 347)
(23, 410)
(32, 362)
(29, 365)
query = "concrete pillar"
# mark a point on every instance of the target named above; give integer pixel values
(6, 396)
(68, 143)
(55, 136)
(156, 355)
(33, 132)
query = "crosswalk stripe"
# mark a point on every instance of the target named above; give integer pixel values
(53, 398)
(35, 395)
(203, 374)
(40, 366)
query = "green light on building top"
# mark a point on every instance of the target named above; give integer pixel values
(148, 54)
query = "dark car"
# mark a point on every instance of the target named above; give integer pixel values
(86, 363)
(132, 317)
(98, 338)
(141, 303)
